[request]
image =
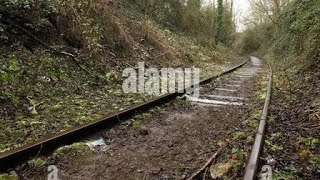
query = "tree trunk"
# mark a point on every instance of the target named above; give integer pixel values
(219, 21)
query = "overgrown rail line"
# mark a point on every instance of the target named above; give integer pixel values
(253, 164)
(48, 144)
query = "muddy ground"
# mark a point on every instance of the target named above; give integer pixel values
(170, 142)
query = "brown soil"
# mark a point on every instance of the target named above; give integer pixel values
(296, 117)
(169, 142)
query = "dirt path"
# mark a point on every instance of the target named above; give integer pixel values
(173, 141)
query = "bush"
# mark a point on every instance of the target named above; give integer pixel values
(299, 38)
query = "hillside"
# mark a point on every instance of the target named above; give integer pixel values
(68, 56)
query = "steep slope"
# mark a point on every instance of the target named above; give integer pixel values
(61, 63)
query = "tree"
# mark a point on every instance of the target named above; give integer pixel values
(219, 21)
(269, 10)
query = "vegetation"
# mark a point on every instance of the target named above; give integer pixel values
(202, 22)
(60, 57)
(61, 64)
(285, 32)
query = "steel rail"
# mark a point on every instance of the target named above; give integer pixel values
(48, 144)
(252, 166)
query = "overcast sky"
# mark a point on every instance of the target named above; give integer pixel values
(241, 8)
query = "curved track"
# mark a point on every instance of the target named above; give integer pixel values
(221, 96)
(47, 144)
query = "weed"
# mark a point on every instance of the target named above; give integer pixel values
(315, 159)
(238, 166)
(273, 147)
(239, 135)
(286, 173)
(254, 124)
(276, 136)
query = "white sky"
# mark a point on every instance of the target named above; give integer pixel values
(241, 8)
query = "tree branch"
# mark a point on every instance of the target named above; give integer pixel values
(55, 51)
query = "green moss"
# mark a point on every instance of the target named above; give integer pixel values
(276, 136)
(250, 139)
(254, 124)
(309, 142)
(239, 135)
(38, 162)
(136, 124)
(262, 94)
(76, 149)
(12, 176)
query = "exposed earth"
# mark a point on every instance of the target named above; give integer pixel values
(173, 141)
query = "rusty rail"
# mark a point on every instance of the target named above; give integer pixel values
(47, 144)
(252, 166)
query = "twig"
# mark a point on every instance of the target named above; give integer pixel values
(206, 165)
(34, 105)
(205, 174)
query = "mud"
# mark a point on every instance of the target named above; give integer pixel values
(172, 141)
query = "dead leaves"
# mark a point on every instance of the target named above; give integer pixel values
(222, 169)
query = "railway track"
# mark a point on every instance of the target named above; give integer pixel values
(218, 97)
(47, 144)
(253, 164)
